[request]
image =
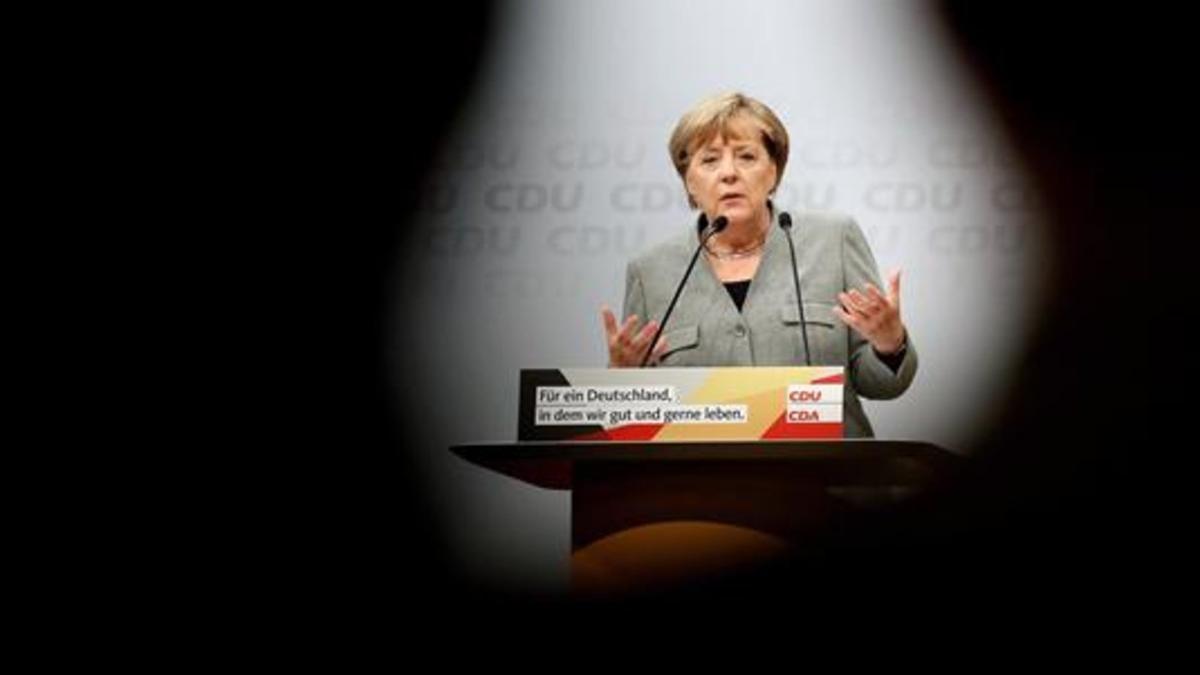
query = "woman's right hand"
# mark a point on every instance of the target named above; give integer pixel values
(627, 345)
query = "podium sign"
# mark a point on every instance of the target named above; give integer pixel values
(681, 404)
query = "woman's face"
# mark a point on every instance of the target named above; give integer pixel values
(732, 175)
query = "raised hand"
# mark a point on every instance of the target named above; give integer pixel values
(627, 344)
(874, 315)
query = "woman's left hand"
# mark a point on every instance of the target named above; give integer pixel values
(874, 315)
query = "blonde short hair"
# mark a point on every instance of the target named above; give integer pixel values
(713, 116)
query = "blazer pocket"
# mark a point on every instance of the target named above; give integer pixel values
(819, 325)
(817, 313)
(680, 339)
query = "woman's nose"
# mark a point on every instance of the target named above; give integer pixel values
(727, 169)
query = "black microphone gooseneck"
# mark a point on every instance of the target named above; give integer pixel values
(785, 221)
(717, 225)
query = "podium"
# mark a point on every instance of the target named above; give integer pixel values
(652, 515)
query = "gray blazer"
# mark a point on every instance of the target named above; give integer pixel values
(706, 328)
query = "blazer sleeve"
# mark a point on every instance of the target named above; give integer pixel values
(871, 376)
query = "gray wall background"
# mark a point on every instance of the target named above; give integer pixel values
(558, 173)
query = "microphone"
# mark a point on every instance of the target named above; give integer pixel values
(709, 230)
(785, 221)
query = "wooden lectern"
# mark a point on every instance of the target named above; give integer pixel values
(650, 515)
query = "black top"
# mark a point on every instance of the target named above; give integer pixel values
(892, 361)
(737, 291)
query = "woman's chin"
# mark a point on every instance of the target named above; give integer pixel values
(736, 210)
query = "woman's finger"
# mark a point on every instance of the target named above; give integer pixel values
(642, 339)
(852, 306)
(610, 322)
(847, 318)
(894, 289)
(625, 335)
(868, 306)
(875, 297)
(860, 300)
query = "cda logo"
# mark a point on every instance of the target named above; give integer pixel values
(813, 403)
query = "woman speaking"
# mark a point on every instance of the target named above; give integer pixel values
(739, 307)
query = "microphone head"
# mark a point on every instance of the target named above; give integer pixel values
(719, 224)
(785, 220)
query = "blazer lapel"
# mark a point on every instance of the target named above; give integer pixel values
(762, 288)
(712, 289)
